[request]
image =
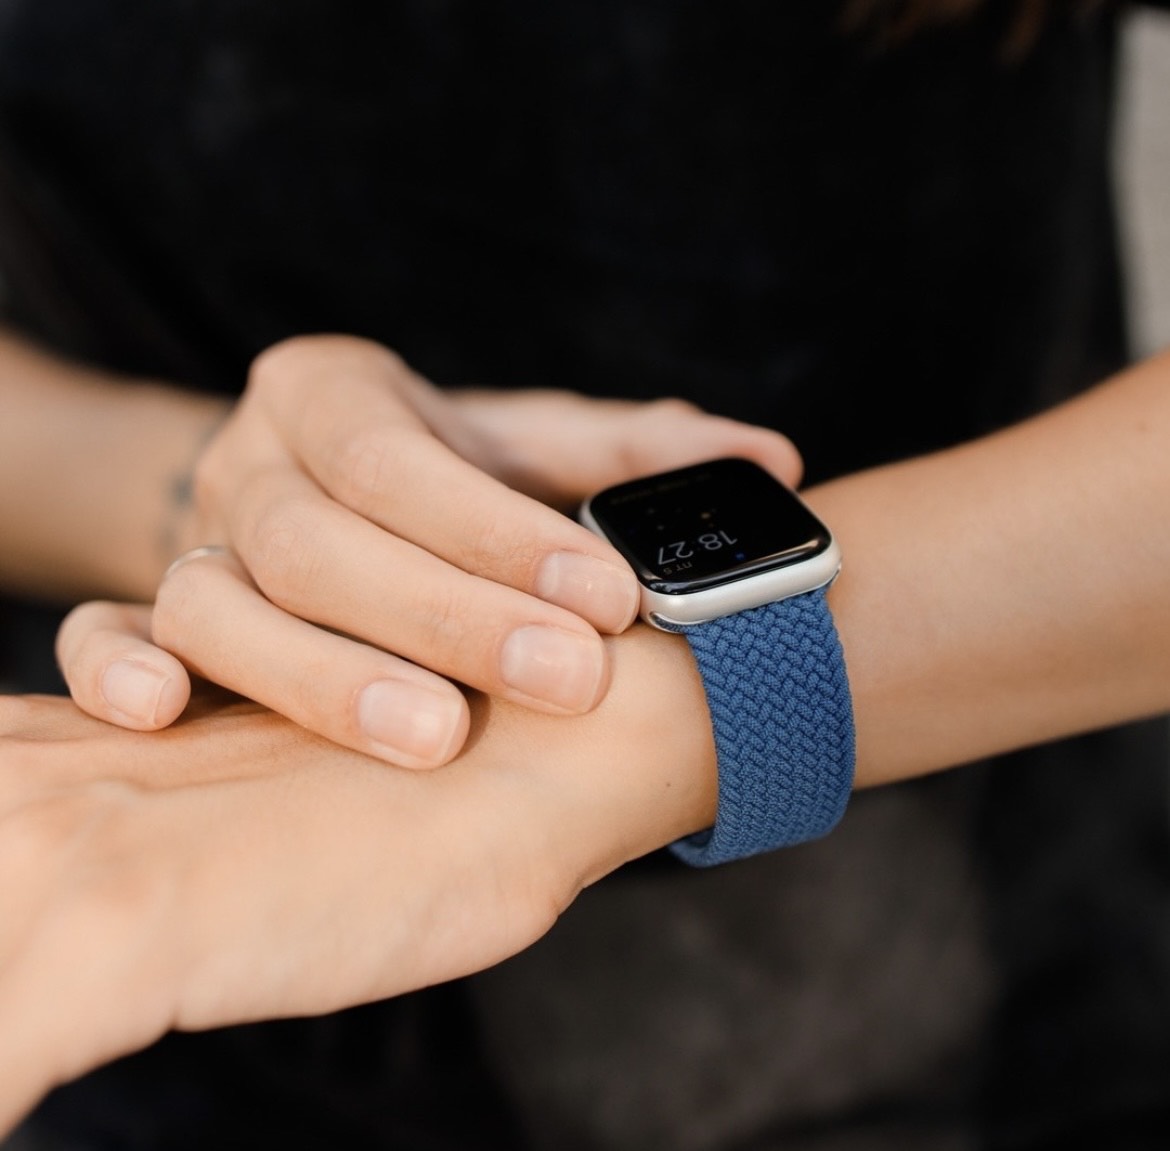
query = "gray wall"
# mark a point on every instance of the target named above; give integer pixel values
(1144, 174)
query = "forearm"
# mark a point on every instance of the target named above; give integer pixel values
(996, 595)
(1013, 590)
(95, 471)
(1004, 593)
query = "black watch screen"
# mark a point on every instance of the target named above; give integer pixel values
(708, 524)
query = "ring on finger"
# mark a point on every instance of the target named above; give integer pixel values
(195, 554)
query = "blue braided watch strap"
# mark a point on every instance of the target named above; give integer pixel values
(783, 720)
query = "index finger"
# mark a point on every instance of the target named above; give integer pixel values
(374, 454)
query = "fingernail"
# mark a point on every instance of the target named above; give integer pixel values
(603, 593)
(134, 689)
(554, 666)
(409, 721)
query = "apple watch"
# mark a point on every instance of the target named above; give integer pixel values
(736, 561)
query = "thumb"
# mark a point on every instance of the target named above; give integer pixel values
(561, 447)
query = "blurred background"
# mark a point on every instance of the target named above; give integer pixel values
(1144, 174)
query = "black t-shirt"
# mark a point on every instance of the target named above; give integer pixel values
(727, 202)
(878, 249)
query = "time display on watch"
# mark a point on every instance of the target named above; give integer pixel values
(708, 524)
(681, 555)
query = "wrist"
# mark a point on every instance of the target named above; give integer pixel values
(604, 788)
(103, 449)
(180, 527)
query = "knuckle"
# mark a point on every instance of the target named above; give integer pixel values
(455, 635)
(670, 408)
(281, 549)
(176, 607)
(441, 615)
(83, 616)
(492, 549)
(287, 358)
(272, 366)
(83, 672)
(365, 467)
(76, 636)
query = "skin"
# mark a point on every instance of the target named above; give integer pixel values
(1031, 601)
(974, 619)
(344, 486)
(236, 866)
(97, 465)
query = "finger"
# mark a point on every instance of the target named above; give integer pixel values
(316, 560)
(355, 695)
(115, 672)
(374, 455)
(562, 447)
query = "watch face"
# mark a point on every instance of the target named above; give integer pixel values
(707, 525)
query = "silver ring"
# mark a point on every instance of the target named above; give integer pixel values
(196, 554)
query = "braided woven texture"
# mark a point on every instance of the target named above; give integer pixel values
(783, 719)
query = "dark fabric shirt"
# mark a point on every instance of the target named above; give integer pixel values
(878, 249)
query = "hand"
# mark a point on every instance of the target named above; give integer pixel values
(386, 539)
(236, 867)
